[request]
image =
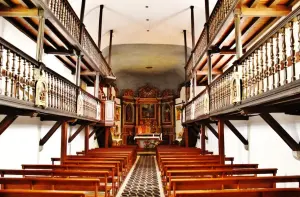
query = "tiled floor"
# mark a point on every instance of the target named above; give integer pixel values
(144, 180)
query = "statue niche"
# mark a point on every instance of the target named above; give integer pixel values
(166, 113)
(129, 113)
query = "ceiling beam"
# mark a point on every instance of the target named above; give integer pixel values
(264, 11)
(205, 72)
(89, 73)
(19, 12)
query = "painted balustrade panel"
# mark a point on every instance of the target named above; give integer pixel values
(67, 16)
(17, 78)
(202, 104)
(109, 110)
(188, 112)
(87, 105)
(274, 62)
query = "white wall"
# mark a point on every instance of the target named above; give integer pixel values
(178, 126)
(19, 144)
(266, 148)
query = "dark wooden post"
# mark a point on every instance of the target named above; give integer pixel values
(86, 138)
(221, 141)
(106, 136)
(186, 136)
(203, 139)
(185, 47)
(193, 26)
(110, 45)
(100, 26)
(209, 76)
(64, 137)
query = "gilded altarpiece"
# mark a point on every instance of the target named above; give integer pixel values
(148, 112)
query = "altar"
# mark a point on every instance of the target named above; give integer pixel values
(148, 141)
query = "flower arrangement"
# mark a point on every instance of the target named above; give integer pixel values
(150, 143)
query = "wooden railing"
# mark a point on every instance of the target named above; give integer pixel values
(270, 64)
(25, 81)
(68, 18)
(16, 73)
(219, 15)
(220, 91)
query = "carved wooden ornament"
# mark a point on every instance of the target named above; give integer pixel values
(206, 102)
(41, 89)
(80, 104)
(235, 88)
(148, 91)
(98, 111)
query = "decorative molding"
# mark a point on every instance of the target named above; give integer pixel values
(148, 91)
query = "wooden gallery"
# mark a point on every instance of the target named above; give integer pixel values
(127, 98)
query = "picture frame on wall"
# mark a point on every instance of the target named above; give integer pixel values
(148, 111)
(117, 113)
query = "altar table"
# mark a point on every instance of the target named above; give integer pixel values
(148, 140)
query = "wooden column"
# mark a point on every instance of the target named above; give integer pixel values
(64, 137)
(209, 76)
(186, 136)
(238, 33)
(86, 138)
(110, 46)
(100, 26)
(40, 38)
(203, 139)
(221, 141)
(185, 47)
(106, 136)
(78, 70)
(96, 85)
(193, 26)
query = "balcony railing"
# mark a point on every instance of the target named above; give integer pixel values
(272, 63)
(68, 18)
(219, 15)
(29, 83)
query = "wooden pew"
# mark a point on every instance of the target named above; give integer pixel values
(273, 192)
(110, 168)
(64, 184)
(42, 193)
(205, 167)
(175, 174)
(101, 175)
(179, 186)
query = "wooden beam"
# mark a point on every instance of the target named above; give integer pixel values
(280, 131)
(50, 133)
(206, 72)
(19, 12)
(221, 141)
(236, 132)
(86, 138)
(212, 130)
(6, 122)
(72, 137)
(92, 133)
(63, 145)
(89, 73)
(264, 11)
(61, 51)
(186, 136)
(107, 130)
(203, 139)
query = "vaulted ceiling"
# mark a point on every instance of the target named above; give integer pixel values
(146, 33)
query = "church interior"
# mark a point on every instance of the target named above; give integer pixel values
(149, 98)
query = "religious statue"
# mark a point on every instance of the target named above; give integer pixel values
(128, 113)
(167, 113)
(117, 114)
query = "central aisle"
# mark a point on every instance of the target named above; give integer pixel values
(144, 180)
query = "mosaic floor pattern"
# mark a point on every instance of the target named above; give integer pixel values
(143, 181)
